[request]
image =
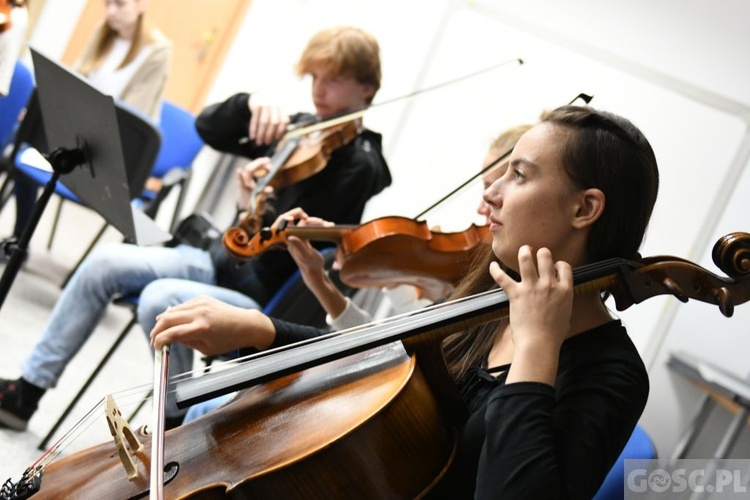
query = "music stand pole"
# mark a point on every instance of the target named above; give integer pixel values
(63, 161)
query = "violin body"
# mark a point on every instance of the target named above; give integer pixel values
(322, 433)
(297, 157)
(400, 251)
(311, 154)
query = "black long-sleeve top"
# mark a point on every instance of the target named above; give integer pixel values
(532, 440)
(338, 193)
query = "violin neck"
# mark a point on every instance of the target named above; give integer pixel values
(333, 234)
(283, 152)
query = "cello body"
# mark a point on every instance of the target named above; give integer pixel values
(325, 432)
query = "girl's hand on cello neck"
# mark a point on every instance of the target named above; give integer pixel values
(541, 306)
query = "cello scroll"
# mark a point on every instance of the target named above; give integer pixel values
(686, 280)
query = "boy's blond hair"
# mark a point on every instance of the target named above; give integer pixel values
(343, 51)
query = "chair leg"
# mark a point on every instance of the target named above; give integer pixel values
(6, 191)
(85, 254)
(54, 224)
(43, 444)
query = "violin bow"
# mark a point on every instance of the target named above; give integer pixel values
(307, 127)
(584, 97)
(161, 379)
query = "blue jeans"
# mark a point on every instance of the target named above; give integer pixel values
(162, 276)
(200, 409)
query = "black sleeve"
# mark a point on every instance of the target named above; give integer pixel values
(543, 444)
(224, 126)
(289, 333)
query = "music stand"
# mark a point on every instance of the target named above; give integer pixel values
(82, 132)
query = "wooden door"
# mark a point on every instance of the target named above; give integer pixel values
(201, 32)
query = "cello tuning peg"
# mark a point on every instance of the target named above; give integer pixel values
(724, 300)
(674, 289)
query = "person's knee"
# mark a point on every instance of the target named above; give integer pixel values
(154, 300)
(104, 260)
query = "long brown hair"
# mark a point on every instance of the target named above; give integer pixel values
(602, 151)
(105, 38)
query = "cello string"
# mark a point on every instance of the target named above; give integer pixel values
(364, 332)
(126, 398)
(70, 436)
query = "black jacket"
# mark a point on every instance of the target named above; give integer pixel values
(338, 193)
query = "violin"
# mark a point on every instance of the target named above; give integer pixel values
(384, 252)
(301, 153)
(287, 437)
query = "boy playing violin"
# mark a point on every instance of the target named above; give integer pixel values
(344, 63)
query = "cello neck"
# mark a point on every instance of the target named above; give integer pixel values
(433, 323)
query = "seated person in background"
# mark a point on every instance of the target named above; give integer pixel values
(127, 59)
(554, 390)
(343, 79)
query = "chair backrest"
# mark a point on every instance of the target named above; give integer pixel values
(180, 141)
(639, 446)
(21, 86)
(141, 141)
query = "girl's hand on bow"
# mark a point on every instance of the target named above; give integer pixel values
(212, 327)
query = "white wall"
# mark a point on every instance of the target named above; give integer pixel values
(677, 69)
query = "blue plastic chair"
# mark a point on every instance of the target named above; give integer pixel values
(21, 86)
(180, 146)
(639, 446)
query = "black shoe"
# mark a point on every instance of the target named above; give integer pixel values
(15, 409)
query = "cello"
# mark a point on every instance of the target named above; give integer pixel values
(286, 436)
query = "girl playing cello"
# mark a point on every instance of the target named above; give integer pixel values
(554, 391)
